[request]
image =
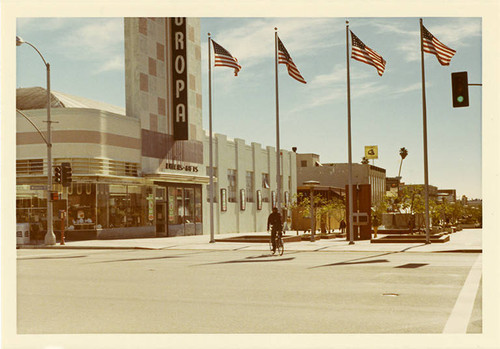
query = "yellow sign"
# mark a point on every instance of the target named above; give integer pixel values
(371, 152)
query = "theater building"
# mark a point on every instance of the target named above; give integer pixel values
(142, 171)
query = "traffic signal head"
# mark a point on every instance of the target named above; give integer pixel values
(58, 174)
(460, 89)
(66, 174)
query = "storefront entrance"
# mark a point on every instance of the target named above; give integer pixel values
(183, 210)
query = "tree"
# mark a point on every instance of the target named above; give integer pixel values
(403, 152)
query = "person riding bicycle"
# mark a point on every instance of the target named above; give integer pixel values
(274, 220)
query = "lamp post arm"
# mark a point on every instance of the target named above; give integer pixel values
(43, 59)
(36, 127)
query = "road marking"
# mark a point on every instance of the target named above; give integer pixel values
(461, 313)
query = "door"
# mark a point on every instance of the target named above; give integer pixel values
(161, 221)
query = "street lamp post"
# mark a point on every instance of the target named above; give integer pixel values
(50, 238)
(311, 185)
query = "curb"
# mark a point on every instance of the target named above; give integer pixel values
(66, 247)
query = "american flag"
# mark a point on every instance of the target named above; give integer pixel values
(284, 58)
(434, 46)
(363, 53)
(224, 59)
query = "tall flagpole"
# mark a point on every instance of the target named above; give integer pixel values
(278, 172)
(351, 229)
(426, 169)
(212, 239)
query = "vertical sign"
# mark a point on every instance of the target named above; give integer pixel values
(223, 200)
(259, 200)
(243, 200)
(273, 198)
(179, 78)
(150, 207)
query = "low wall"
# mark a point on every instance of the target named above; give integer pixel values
(401, 220)
(126, 233)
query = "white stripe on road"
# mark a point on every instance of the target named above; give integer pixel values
(461, 313)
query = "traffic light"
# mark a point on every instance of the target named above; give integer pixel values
(58, 174)
(460, 89)
(66, 174)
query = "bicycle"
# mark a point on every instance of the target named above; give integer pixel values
(280, 247)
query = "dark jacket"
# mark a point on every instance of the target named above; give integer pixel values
(274, 219)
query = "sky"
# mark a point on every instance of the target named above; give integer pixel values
(87, 59)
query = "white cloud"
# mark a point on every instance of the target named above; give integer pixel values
(253, 41)
(100, 39)
(44, 24)
(116, 63)
(454, 33)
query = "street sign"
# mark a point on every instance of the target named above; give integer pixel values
(371, 151)
(359, 218)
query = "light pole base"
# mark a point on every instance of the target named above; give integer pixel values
(351, 242)
(50, 238)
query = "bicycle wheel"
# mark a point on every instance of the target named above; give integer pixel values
(279, 246)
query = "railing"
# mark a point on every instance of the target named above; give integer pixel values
(82, 166)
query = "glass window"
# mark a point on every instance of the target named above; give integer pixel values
(82, 210)
(189, 211)
(179, 204)
(265, 187)
(265, 181)
(303, 163)
(198, 211)
(231, 190)
(249, 186)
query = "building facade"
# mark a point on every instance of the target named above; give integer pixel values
(245, 184)
(142, 171)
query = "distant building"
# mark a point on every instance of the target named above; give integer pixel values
(391, 185)
(336, 175)
(448, 195)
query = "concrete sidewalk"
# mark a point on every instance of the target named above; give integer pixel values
(467, 240)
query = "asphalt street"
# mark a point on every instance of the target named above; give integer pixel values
(241, 291)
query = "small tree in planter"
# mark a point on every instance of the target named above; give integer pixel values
(377, 211)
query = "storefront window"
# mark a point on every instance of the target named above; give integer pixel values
(198, 211)
(82, 205)
(189, 211)
(31, 207)
(103, 205)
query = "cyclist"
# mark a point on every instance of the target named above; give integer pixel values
(274, 220)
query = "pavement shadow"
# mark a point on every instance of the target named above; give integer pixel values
(139, 259)
(256, 259)
(362, 260)
(51, 257)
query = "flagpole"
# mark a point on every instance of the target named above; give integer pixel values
(212, 238)
(278, 172)
(426, 169)
(351, 229)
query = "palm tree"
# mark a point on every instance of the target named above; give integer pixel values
(403, 152)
